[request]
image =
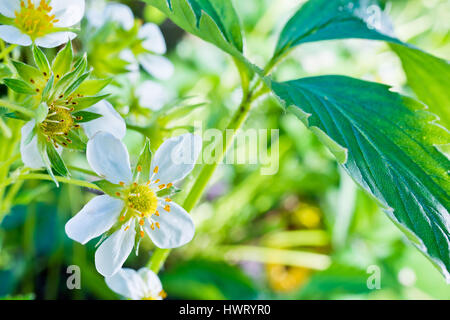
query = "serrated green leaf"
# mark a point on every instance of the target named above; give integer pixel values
(109, 188)
(41, 61)
(144, 163)
(85, 116)
(19, 86)
(319, 20)
(429, 77)
(56, 161)
(391, 144)
(214, 21)
(63, 61)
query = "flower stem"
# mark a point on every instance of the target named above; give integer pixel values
(14, 107)
(43, 176)
(228, 134)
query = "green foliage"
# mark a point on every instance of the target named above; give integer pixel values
(429, 77)
(390, 144)
(143, 165)
(203, 279)
(319, 20)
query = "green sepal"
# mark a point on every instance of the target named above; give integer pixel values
(86, 116)
(41, 61)
(85, 102)
(74, 86)
(41, 112)
(42, 149)
(19, 86)
(109, 188)
(77, 142)
(63, 60)
(144, 162)
(30, 74)
(56, 161)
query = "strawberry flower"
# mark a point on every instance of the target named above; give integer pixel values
(43, 22)
(135, 204)
(136, 285)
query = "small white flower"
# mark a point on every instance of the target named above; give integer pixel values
(44, 22)
(99, 12)
(137, 206)
(151, 60)
(141, 285)
(152, 95)
(109, 121)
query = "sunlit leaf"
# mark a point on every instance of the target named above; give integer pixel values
(387, 143)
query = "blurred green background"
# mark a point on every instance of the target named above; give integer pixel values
(306, 232)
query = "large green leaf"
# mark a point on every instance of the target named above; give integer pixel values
(338, 19)
(387, 143)
(429, 77)
(214, 21)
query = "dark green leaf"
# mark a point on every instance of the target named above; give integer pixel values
(387, 143)
(429, 77)
(320, 20)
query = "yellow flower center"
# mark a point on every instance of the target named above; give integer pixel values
(57, 125)
(143, 200)
(35, 21)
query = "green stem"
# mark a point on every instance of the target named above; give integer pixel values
(5, 52)
(14, 107)
(160, 255)
(42, 176)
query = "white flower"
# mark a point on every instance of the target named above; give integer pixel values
(109, 121)
(141, 285)
(151, 59)
(137, 206)
(152, 95)
(44, 22)
(99, 12)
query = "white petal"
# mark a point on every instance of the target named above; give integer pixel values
(176, 227)
(108, 156)
(176, 157)
(157, 66)
(8, 7)
(68, 12)
(152, 95)
(152, 283)
(96, 217)
(111, 121)
(128, 56)
(120, 13)
(153, 38)
(127, 283)
(30, 152)
(13, 35)
(55, 39)
(113, 252)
